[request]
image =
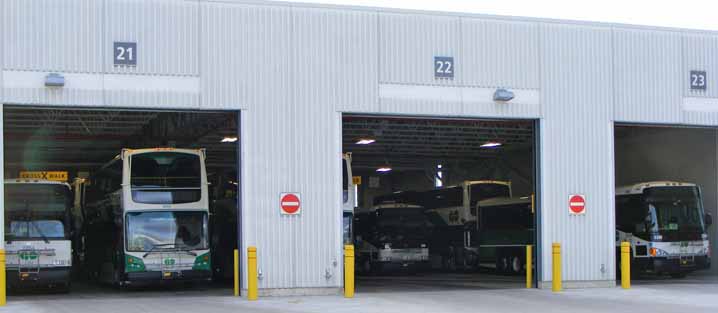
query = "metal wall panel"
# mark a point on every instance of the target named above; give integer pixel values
(166, 33)
(699, 53)
(499, 54)
(577, 151)
(649, 76)
(408, 44)
(50, 35)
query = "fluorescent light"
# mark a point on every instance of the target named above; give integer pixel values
(365, 141)
(384, 169)
(491, 144)
(230, 139)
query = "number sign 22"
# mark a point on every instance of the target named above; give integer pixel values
(125, 53)
(444, 67)
(698, 80)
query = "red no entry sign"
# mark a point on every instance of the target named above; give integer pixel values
(290, 203)
(576, 204)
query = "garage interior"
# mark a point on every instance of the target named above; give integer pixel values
(407, 161)
(80, 141)
(671, 153)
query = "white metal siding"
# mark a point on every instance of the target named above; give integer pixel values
(166, 33)
(699, 53)
(51, 35)
(649, 76)
(499, 54)
(577, 151)
(408, 44)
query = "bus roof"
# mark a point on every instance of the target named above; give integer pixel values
(13, 181)
(496, 182)
(499, 201)
(638, 188)
(390, 206)
(162, 149)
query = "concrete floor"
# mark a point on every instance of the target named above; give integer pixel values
(411, 294)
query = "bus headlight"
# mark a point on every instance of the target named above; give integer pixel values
(704, 236)
(387, 246)
(657, 252)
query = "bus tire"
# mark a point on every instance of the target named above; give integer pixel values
(516, 265)
(501, 265)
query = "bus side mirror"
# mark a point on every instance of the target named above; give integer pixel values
(708, 219)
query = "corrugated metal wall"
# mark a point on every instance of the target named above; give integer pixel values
(649, 76)
(293, 69)
(577, 150)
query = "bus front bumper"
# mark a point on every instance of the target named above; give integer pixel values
(53, 276)
(672, 264)
(153, 277)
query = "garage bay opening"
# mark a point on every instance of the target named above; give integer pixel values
(436, 204)
(97, 200)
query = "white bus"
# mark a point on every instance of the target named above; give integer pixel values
(38, 226)
(666, 226)
(146, 218)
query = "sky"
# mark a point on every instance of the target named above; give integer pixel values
(693, 14)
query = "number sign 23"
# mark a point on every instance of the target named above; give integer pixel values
(698, 80)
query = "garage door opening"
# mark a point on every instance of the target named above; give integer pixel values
(666, 180)
(439, 204)
(97, 198)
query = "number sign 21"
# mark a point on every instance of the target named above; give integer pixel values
(125, 53)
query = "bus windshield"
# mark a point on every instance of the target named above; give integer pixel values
(166, 230)
(165, 177)
(36, 211)
(485, 191)
(676, 209)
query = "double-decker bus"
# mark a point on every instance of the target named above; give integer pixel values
(504, 227)
(146, 218)
(450, 211)
(38, 231)
(666, 226)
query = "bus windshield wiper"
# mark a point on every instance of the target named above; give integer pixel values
(31, 221)
(187, 249)
(155, 247)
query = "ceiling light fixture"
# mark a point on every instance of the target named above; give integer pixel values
(365, 141)
(230, 139)
(491, 144)
(384, 169)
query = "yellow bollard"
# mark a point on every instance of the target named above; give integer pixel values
(556, 251)
(529, 267)
(252, 273)
(625, 265)
(236, 273)
(3, 299)
(349, 271)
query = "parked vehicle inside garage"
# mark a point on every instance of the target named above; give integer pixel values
(503, 228)
(392, 236)
(451, 209)
(665, 224)
(38, 233)
(147, 211)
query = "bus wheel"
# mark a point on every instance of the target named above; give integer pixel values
(501, 264)
(517, 265)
